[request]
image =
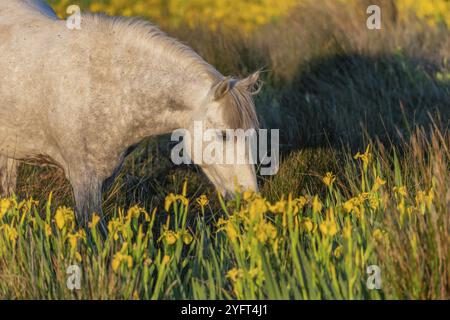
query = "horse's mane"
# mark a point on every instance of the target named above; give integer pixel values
(144, 32)
(239, 109)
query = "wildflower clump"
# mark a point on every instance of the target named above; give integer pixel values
(309, 246)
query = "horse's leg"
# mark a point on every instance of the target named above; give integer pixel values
(88, 196)
(8, 175)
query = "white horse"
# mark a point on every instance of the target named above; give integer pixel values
(81, 98)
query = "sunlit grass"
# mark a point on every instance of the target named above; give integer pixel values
(243, 14)
(246, 15)
(385, 208)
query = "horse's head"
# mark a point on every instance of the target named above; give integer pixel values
(228, 125)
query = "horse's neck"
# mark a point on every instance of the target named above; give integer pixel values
(162, 96)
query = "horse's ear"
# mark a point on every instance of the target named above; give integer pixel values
(251, 83)
(223, 87)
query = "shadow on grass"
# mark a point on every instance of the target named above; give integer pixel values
(343, 98)
(335, 105)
